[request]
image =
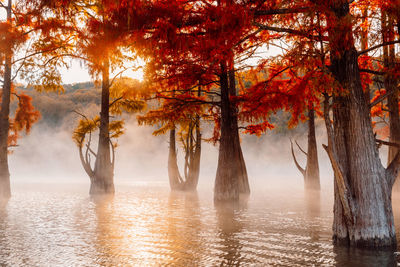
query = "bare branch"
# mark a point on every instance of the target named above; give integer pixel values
(282, 11)
(372, 72)
(35, 53)
(80, 114)
(343, 187)
(303, 171)
(386, 143)
(393, 169)
(3, 6)
(291, 31)
(377, 46)
(380, 99)
(305, 153)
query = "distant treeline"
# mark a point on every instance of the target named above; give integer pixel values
(57, 108)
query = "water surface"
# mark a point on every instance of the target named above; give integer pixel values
(146, 225)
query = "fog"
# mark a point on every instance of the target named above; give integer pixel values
(48, 155)
(145, 224)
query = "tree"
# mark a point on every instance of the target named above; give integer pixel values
(99, 44)
(362, 211)
(170, 115)
(311, 171)
(28, 31)
(198, 44)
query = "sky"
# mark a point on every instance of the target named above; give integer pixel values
(77, 73)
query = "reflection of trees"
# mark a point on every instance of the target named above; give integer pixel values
(345, 256)
(4, 246)
(183, 228)
(313, 213)
(108, 242)
(229, 226)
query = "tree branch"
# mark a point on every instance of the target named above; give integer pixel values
(303, 171)
(372, 72)
(393, 169)
(281, 11)
(343, 187)
(380, 99)
(290, 31)
(116, 100)
(305, 153)
(377, 46)
(386, 143)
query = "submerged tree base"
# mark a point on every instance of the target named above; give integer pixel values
(381, 243)
(101, 188)
(5, 189)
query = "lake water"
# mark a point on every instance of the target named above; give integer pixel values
(147, 225)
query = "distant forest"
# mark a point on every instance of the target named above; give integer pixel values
(57, 108)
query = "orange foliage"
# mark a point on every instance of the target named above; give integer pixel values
(24, 117)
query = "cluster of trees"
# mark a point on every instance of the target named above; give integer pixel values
(197, 57)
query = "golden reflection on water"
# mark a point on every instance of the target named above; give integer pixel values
(228, 228)
(150, 226)
(313, 212)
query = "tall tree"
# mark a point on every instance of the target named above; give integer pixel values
(362, 211)
(311, 171)
(27, 33)
(203, 41)
(100, 45)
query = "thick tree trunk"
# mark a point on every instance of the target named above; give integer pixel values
(362, 210)
(5, 191)
(102, 181)
(231, 178)
(311, 178)
(244, 187)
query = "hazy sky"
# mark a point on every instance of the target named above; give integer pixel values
(79, 73)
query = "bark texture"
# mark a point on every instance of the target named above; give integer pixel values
(102, 181)
(192, 159)
(311, 179)
(5, 190)
(363, 213)
(390, 82)
(311, 171)
(231, 179)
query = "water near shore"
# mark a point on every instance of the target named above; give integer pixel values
(146, 225)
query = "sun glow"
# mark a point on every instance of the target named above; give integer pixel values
(136, 72)
(77, 72)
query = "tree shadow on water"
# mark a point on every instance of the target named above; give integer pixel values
(354, 257)
(230, 225)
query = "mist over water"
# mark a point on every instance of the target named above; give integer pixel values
(51, 220)
(48, 154)
(146, 225)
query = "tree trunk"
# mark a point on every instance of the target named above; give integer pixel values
(175, 179)
(5, 190)
(102, 181)
(362, 210)
(391, 88)
(311, 178)
(311, 171)
(194, 167)
(193, 162)
(231, 178)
